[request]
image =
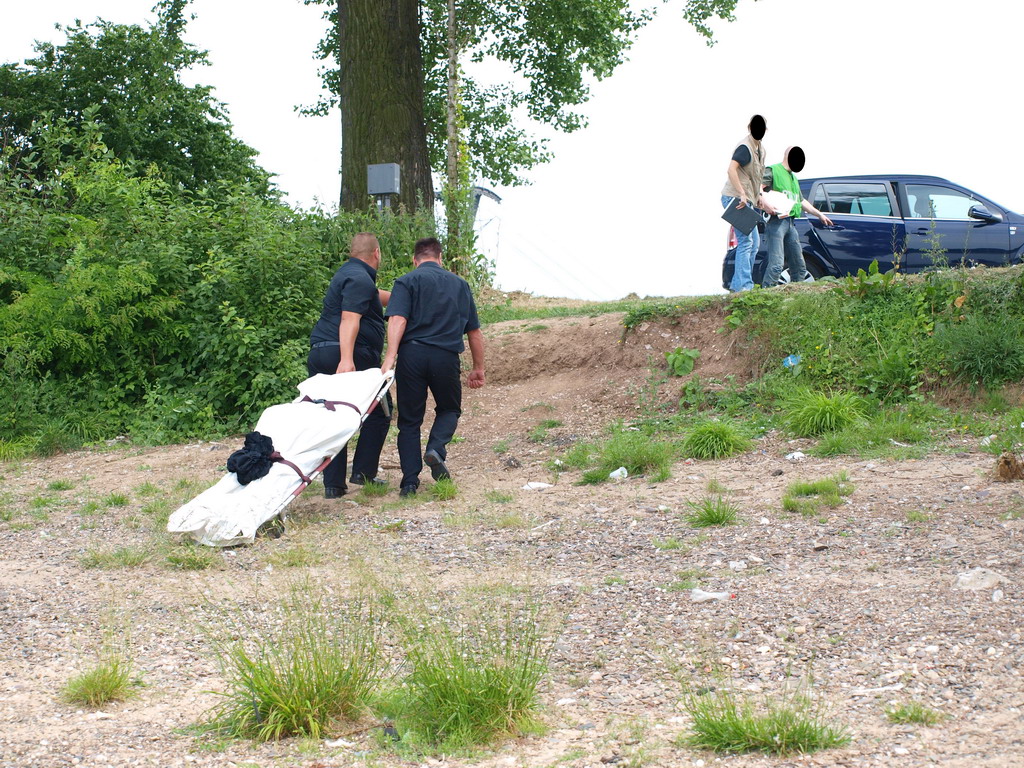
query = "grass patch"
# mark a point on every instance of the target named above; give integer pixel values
(500, 447)
(445, 489)
(122, 557)
(635, 451)
(913, 712)
(540, 432)
(793, 724)
(500, 497)
(687, 579)
(714, 440)
(111, 679)
(299, 671)
(191, 557)
(60, 485)
(297, 556)
(716, 487)
(669, 543)
(711, 511)
(808, 497)
(372, 490)
(115, 500)
(810, 413)
(917, 516)
(579, 456)
(470, 685)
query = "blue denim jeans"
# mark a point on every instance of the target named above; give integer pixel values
(746, 250)
(783, 242)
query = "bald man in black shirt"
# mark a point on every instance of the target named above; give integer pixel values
(349, 336)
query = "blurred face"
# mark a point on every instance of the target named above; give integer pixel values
(757, 127)
(794, 159)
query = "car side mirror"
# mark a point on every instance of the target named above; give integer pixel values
(982, 213)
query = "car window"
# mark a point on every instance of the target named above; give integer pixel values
(820, 201)
(927, 201)
(863, 199)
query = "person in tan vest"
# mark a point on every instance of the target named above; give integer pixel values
(743, 188)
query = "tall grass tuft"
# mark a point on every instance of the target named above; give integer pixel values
(811, 413)
(714, 440)
(471, 684)
(723, 722)
(711, 511)
(297, 672)
(111, 679)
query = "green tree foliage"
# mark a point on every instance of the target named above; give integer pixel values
(131, 305)
(127, 78)
(552, 48)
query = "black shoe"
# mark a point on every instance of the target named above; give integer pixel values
(438, 470)
(333, 493)
(362, 479)
(407, 490)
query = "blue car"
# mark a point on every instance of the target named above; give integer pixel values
(913, 222)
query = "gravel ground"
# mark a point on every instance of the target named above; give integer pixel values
(857, 603)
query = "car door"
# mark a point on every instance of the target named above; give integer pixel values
(940, 231)
(864, 228)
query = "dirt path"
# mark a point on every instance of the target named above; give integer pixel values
(859, 600)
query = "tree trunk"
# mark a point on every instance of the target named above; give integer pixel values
(381, 94)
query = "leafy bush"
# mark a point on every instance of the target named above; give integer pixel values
(811, 413)
(681, 361)
(132, 306)
(714, 440)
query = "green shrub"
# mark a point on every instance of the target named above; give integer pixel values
(309, 664)
(470, 685)
(191, 557)
(714, 440)
(810, 413)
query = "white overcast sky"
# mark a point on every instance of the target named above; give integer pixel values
(631, 203)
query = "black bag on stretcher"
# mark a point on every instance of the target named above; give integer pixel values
(290, 445)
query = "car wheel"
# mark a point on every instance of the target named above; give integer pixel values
(814, 268)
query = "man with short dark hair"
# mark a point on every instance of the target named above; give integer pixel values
(349, 336)
(429, 312)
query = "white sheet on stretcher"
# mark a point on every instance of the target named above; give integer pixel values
(304, 433)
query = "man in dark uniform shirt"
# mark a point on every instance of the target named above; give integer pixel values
(429, 312)
(349, 336)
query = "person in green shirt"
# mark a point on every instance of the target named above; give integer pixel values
(783, 239)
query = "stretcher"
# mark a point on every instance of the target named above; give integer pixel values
(307, 434)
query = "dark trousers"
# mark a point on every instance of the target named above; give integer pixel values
(374, 429)
(421, 367)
